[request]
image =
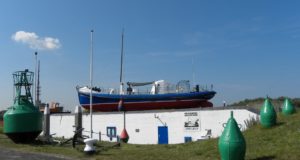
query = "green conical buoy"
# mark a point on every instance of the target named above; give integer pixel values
(267, 114)
(232, 145)
(287, 107)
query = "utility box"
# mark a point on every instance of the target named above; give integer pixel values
(187, 139)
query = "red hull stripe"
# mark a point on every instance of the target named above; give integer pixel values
(150, 105)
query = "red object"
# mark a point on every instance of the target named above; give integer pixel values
(124, 136)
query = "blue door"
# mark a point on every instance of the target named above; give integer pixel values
(163, 135)
(111, 132)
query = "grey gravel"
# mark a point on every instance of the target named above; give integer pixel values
(11, 154)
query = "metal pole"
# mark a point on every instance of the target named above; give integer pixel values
(121, 70)
(124, 120)
(35, 79)
(38, 86)
(91, 84)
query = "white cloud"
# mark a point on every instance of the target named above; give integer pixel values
(35, 42)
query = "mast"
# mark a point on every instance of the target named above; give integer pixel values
(121, 70)
(91, 84)
(89, 142)
(124, 135)
(193, 68)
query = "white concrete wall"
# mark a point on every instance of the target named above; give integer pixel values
(62, 125)
(142, 126)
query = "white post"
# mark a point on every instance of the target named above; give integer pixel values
(91, 84)
(89, 147)
(46, 126)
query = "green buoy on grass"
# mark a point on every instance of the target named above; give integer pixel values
(232, 144)
(22, 121)
(267, 114)
(287, 107)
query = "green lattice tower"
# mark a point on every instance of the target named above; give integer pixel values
(22, 121)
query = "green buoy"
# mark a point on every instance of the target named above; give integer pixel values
(22, 121)
(267, 114)
(287, 107)
(232, 145)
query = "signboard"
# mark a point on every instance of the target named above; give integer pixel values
(192, 121)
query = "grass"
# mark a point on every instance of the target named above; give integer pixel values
(258, 102)
(279, 142)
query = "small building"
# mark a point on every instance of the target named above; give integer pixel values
(153, 127)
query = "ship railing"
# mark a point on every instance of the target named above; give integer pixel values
(117, 91)
(162, 89)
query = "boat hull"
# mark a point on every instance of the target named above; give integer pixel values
(108, 103)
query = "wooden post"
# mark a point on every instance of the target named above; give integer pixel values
(46, 125)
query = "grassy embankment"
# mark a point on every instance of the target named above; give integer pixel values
(279, 142)
(257, 102)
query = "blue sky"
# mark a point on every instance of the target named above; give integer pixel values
(246, 49)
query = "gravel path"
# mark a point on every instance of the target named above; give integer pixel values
(10, 154)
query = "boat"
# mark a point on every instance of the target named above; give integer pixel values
(162, 95)
(54, 108)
